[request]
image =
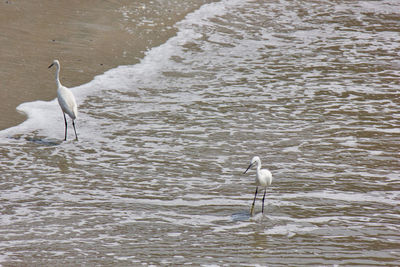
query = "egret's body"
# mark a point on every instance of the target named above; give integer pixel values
(263, 179)
(66, 100)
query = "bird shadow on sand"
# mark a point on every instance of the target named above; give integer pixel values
(244, 215)
(37, 140)
(43, 141)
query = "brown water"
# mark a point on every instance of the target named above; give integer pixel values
(312, 87)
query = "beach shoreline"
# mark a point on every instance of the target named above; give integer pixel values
(87, 37)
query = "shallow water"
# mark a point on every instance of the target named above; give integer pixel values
(312, 87)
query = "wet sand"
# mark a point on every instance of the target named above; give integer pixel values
(88, 38)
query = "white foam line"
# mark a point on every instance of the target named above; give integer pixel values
(231, 227)
(289, 230)
(387, 197)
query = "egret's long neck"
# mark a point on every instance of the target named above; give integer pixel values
(258, 166)
(58, 76)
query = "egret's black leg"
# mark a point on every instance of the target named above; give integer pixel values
(263, 200)
(66, 125)
(73, 124)
(254, 201)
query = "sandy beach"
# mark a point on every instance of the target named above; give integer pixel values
(88, 38)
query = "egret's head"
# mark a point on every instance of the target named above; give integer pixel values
(252, 162)
(255, 159)
(55, 62)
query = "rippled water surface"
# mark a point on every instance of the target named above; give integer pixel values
(312, 87)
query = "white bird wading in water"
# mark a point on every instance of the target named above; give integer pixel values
(66, 100)
(263, 179)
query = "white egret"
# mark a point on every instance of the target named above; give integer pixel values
(66, 100)
(263, 179)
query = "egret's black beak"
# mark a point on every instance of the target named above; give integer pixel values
(251, 165)
(51, 65)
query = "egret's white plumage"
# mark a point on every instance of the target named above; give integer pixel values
(263, 179)
(66, 100)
